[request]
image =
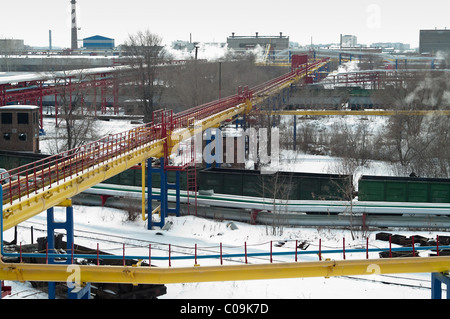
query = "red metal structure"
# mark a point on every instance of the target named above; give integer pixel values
(298, 60)
(31, 89)
(376, 79)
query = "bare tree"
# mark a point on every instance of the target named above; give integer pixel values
(418, 142)
(76, 124)
(145, 56)
(352, 143)
(196, 82)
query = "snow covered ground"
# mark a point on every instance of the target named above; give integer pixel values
(208, 234)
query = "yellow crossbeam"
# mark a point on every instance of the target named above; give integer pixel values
(155, 275)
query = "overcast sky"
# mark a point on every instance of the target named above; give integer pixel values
(212, 21)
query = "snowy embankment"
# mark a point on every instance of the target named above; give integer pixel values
(188, 231)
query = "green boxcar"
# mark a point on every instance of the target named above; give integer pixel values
(371, 190)
(404, 189)
(439, 192)
(249, 183)
(418, 192)
(282, 185)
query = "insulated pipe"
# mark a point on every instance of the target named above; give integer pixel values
(290, 206)
(292, 219)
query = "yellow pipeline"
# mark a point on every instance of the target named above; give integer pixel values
(26, 208)
(260, 99)
(155, 275)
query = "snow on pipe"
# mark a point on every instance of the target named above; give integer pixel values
(288, 206)
(291, 219)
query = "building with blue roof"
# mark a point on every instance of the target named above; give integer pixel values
(98, 42)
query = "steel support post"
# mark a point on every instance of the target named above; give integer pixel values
(41, 100)
(51, 227)
(94, 100)
(73, 292)
(176, 187)
(162, 197)
(436, 285)
(116, 93)
(2, 95)
(295, 132)
(103, 94)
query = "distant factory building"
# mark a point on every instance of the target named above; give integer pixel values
(392, 45)
(11, 45)
(249, 42)
(98, 42)
(349, 41)
(432, 41)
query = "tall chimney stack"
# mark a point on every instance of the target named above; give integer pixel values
(74, 25)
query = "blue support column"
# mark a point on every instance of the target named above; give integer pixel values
(52, 226)
(295, 132)
(436, 285)
(163, 195)
(176, 187)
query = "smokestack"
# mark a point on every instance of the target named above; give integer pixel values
(50, 39)
(74, 25)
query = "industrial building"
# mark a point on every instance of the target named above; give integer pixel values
(432, 41)
(11, 45)
(349, 41)
(98, 42)
(249, 42)
(19, 126)
(392, 45)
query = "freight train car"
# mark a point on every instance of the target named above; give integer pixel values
(281, 185)
(403, 189)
